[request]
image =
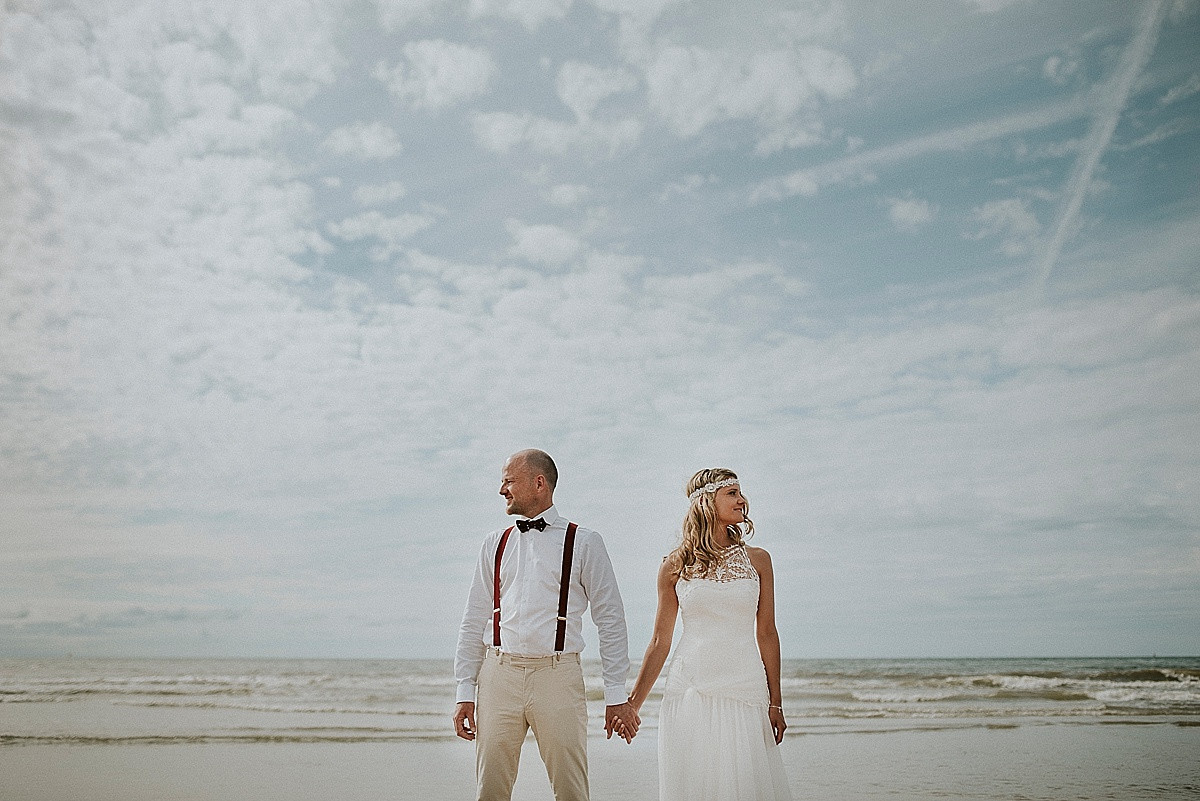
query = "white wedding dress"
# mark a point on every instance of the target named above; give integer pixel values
(715, 741)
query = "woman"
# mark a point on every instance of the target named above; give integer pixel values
(721, 719)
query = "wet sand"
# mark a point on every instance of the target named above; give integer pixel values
(1035, 761)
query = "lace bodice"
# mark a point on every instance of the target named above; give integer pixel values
(717, 653)
(733, 564)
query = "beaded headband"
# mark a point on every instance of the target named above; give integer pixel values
(711, 487)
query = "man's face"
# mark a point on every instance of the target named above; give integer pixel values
(518, 485)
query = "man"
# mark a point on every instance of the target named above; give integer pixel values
(517, 663)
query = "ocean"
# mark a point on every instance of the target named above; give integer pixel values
(109, 701)
(859, 730)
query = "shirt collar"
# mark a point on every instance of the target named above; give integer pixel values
(550, 515)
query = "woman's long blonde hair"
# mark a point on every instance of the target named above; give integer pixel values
(698, 549)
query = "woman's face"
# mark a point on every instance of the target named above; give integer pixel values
(730, 505)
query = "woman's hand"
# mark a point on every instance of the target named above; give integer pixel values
(778, 724)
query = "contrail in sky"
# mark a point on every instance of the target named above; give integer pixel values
(808, 181)
(1113, 98)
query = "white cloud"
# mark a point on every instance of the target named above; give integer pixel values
(1048, 150)
(1168, 130)
(1113, 97)
(1060, 70)
(501, 131)
(692, 87)
(543, 244)
(1181, 92)
(687, 186)
(372, 141)
(390, 231)
(530, 13)
(567, 194)
(992, 6)
(379, 194)
(1010, 220)
(438, 73)
(582, 87)
(785, 136)
(909, 214)
(639, 8)
(396, 14)
(854, 167)
(189, 394)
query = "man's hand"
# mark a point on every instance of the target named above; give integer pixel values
(464, 720)
(622, 719)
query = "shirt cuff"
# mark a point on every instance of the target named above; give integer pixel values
(465, 692)
(615, 695)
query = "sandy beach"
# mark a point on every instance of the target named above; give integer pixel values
(1032, 761)
(379, 730)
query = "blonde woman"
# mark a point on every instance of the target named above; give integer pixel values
(721, 719)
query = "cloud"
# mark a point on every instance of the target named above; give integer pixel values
(530, 13)
(1181, 92)
(636, 16)
(1010, 220)
(1059, 70)
(991, 6)
(1161, 133)
(365, 141)
(379, 194)
(396, 14)
(218, 418)
(808, 181)
(1113, 97)
(438, 74)
(582, 87)
(390, 231)
(567, 194)
(909, 214)
(543, 244)
(692, 87)
(501, 131)
(1048, 150)
(687, 186)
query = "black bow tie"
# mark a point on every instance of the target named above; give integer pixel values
(525, 525)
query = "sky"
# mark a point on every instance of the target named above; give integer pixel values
(283, 284)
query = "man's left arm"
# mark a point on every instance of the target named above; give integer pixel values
(608, 613)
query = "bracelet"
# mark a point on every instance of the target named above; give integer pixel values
(774, 706)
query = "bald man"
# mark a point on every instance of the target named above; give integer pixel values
(517, 663)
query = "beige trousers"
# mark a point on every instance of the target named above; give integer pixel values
(516, 693)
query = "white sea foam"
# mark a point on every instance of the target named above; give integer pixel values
(198, 700)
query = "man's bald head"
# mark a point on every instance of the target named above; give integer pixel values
(539, 463)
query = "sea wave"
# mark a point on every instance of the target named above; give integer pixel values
(203, 739)
(182, 701)
(300, 710)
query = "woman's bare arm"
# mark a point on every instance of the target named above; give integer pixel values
(660, 640)
(768, 638)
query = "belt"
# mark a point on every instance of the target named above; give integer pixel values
(517, 660)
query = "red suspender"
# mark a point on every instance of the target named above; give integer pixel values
(564, 587)
(496, 589)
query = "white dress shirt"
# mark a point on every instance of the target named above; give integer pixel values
(529, 589)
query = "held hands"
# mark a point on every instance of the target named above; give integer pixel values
(464, 720)
(622, 719)
(619, 718)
